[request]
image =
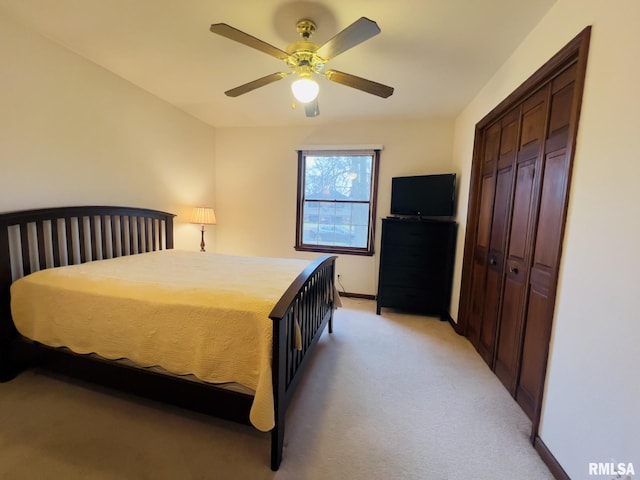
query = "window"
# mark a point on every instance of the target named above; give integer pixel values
(337, 201)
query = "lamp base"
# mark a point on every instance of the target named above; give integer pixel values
(202, 241)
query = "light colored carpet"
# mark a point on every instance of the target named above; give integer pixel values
(395, 396)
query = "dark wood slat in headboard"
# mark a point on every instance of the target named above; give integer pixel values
(131, 233)
(81, 240)
(42, 258)
(69, 238)
(56, 244)
(103, 230)
(140, 227)
(92, 236)
(24, 241)
(153, 233)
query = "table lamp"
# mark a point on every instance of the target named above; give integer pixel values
(203, 216)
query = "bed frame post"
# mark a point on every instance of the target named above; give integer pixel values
(279, 392)
(6, 370)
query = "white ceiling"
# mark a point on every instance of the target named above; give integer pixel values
(437, 54)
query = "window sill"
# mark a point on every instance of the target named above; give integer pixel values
(336, 250)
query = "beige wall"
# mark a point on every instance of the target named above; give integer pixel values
(257, 174)
(72, 133)
(591, 409)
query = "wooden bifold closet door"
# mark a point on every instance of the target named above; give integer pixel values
(517, 209)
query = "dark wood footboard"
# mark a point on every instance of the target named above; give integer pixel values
(306, 307)
(38, 239)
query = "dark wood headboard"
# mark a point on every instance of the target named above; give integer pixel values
(32, 240)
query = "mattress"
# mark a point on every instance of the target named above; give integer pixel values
(189, 313)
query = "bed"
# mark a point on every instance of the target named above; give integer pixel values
(281, 311)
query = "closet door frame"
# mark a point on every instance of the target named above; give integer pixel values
(574, 53)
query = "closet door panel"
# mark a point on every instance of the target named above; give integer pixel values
(550, 220)
(483, 233)
(492, 293)
(563, 93)
(491, 149)
(481, 253)
(486, 202)
(508, 140)
(522, 209)
(531, 379)
(499, 228)
(543, 274)
(529, 157)
(514, 295)
(548, 243)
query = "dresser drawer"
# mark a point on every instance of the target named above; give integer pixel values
(410, 276)
(397, 255)
(418, 234)
(406, 234)
(416, 299)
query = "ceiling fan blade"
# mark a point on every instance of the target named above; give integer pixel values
(246, 39)
(356, 33)
(363, 84)
(260, 82)
(311, 109)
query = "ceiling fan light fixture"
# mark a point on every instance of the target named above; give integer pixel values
(305, 58)
(305, 89)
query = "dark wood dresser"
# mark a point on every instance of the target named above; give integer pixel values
(416, 265)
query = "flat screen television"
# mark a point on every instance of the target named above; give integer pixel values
(424, 195)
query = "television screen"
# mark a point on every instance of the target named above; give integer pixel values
(424, 195)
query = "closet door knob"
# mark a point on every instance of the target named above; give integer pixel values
(513, 270)
(492, 261)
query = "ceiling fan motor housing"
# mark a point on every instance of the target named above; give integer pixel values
(302, 56)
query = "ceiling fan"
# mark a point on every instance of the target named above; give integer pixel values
(305, 58)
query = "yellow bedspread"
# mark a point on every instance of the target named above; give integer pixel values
(188, 312)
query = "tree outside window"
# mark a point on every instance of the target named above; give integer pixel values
(336, 201)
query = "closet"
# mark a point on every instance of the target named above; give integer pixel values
(517, 208)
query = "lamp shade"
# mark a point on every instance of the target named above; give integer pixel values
(305, 89)
(203, 216)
